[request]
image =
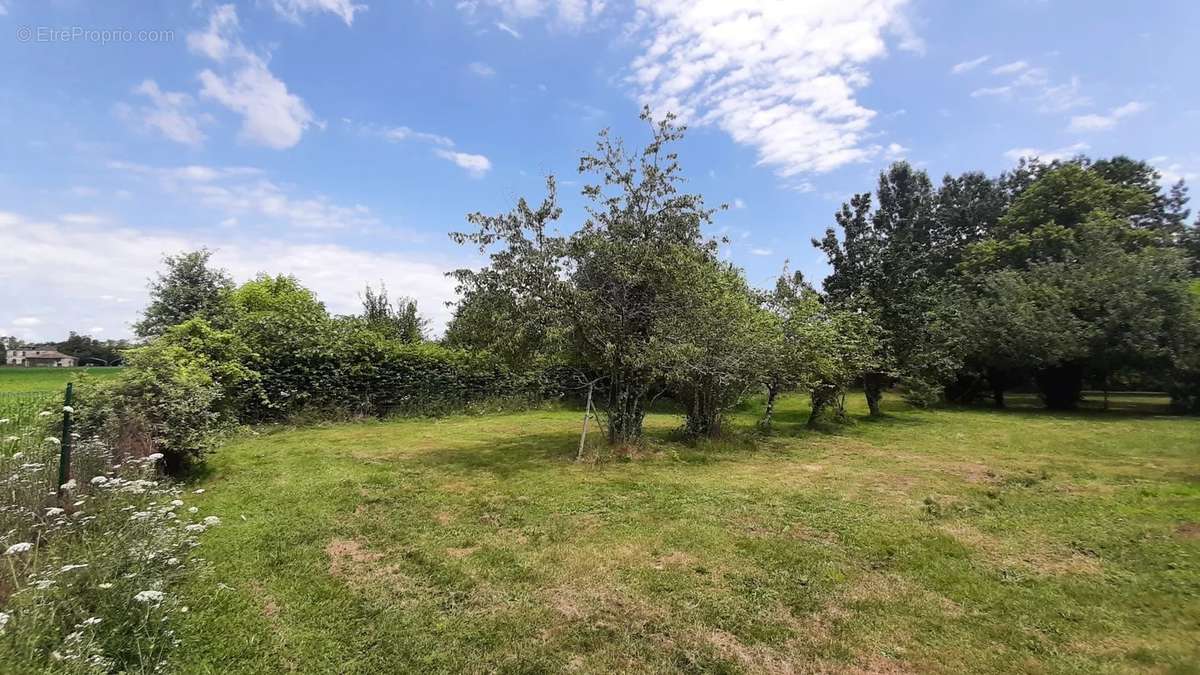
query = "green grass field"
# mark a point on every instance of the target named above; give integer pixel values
(46, 379)
(944, 541)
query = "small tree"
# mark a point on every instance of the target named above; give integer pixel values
(400, 322)
(713, 346)
(187, 289)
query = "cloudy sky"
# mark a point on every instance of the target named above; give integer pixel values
(340, 140)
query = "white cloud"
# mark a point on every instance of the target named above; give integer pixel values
(780, 77)
(476, 165)
(82, 219)
(1010, 68)
(965, 66)
(991, 91)
(1033, 84)
(293, 9)
(1088, 123)
(895, 151)
(761, 251)
(167, 115)
(1173, 172)
(246, 191)
(481, 69)
(508, 29)
(568, 14)
(271, 115)
(27, 321)
(1047, 155)
(3, 9)
(397, 134)
(739, 203)
(101, 279)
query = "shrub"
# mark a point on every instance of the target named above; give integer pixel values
(165, 400)
(919, 392)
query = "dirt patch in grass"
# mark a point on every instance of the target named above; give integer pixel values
(1188, 530)
(351, 561)
(460, 553)
(1030, 553)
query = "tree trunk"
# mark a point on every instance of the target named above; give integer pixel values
(998, 397)
(772, 392)
(625, 412)
(1061, 385)
(873, 389)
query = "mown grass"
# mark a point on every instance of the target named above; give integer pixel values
(962, 540)
(46, 379)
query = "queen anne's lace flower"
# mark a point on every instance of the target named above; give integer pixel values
(149, 596)
(20, 547)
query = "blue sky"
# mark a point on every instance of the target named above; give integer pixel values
(340, 140)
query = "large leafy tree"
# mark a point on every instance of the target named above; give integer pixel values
(1078, 279)
(883, 266)
(602, 294)
(188, 288)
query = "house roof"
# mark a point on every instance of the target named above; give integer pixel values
(47, 354)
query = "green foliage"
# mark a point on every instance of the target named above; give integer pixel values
(399, 322)
(189, 288)
(91, 351)
(601, 296)
(713, 346)
(886, 260)
(91, 579)
(166, 400)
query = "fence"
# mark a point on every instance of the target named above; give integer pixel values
(35, 443)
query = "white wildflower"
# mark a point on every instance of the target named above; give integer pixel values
(196, 527)
(198, 492)
(68, 568)
(21, 547)
(54, 511)
(176, 502)
(55, 441)
(4, 617)
(172, 561)
(212, 520)
(154, 457)
(68, 409)
(148, 596)
(99, 480)
(43, 584)
(44, 413)
(193, 509)
(69, 485)
(106, 585)
(91, 621)
(5, 421)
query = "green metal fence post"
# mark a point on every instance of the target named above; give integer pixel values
(64, 454)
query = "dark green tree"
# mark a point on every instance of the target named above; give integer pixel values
(400, 321)
(884, 266)
(187, 289)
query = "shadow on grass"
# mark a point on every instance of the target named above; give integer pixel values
(506, 457)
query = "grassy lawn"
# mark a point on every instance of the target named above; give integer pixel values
(46, 379)
(944, 541)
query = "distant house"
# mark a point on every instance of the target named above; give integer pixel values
(34, 358)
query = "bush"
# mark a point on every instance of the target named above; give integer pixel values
(919, 392)
(166, 400)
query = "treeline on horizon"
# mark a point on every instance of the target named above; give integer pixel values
(1050, 276)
